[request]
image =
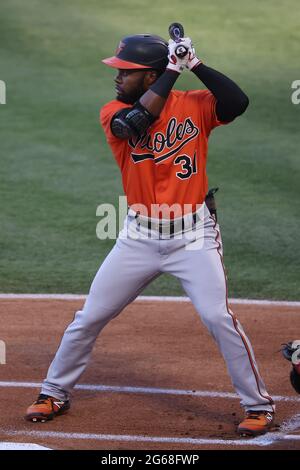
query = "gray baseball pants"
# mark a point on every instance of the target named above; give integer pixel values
(140, 255)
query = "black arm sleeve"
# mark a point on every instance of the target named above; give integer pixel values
(231, 100)
(131, 122)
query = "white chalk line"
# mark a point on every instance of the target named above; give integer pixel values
(21, 446)
(275, 303)
(145, 390)
(131, 438)
(266, 440)
(126, 438)
(291, 424)
(139, 438)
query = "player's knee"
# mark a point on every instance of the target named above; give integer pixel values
(213, 316)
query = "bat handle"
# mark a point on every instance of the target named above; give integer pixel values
(181, 51)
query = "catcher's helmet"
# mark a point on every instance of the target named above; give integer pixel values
(142, 51)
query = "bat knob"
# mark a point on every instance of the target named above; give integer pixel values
(176, 31)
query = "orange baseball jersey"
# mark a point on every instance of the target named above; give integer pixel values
(167, 166)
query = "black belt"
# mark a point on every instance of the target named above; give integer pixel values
(171, 225)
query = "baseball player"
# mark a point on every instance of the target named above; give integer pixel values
(159, 139)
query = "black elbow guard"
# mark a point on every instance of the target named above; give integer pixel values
(119, 127)
(131, 122)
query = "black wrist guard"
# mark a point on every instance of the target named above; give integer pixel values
(164, 83)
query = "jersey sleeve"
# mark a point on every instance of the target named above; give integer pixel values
(106, 114)
(207, 108)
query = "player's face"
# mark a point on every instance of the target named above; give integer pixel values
(130, 85)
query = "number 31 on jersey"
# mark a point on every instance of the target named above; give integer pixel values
(188, 166)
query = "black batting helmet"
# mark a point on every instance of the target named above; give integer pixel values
(141, 51)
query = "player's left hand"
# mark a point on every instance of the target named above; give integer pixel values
(193, 60)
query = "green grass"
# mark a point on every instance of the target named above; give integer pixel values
(56, 167)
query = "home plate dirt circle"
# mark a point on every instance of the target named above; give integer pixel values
(156, 379)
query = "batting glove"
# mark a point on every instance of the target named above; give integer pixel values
(176, 62)
(193, 60)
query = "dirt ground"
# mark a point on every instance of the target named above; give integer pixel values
(153, 345)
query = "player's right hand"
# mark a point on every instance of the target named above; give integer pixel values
(177, 63)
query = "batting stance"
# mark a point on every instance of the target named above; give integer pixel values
(159, 139)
